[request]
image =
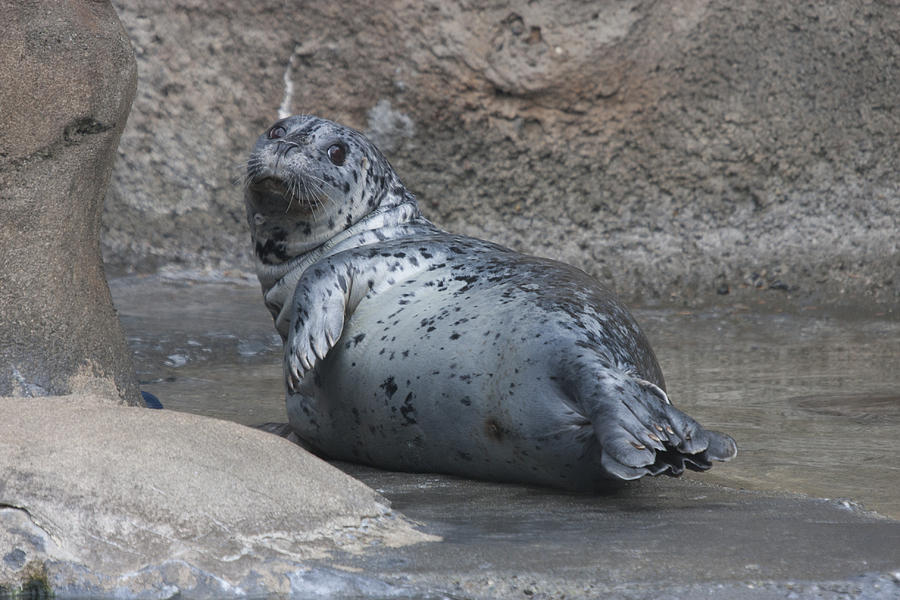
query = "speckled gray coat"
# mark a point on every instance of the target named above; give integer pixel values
(410, 348)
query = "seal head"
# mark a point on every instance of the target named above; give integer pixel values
(307, 180)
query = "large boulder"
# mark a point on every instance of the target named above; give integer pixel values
(674, 149)
(67, 78)
(107, 500)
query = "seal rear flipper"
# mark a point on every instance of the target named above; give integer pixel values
(641, 433)
(287, 432)
(279, 429)
(720, 447)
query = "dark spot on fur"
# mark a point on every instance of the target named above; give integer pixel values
(271, 248)
(389, 387)
(469, 279)
(408, 410)
(494, 430)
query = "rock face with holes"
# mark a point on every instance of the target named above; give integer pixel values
(67, 78)
(680, 151)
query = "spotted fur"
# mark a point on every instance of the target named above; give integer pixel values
(410, 348)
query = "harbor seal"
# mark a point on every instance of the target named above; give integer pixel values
(409, 348)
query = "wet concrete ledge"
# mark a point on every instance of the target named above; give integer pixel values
(658, 538)
(661, 538)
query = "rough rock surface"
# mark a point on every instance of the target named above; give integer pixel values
(67, 77)
(675, 149)
(209, 508)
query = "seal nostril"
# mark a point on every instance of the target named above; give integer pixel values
(277, 132)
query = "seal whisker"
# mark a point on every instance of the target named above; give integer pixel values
(248, 171)
(241, 171)
(314, 190)
(292, 194)
(310, 195)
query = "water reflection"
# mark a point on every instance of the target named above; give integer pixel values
(812, 400)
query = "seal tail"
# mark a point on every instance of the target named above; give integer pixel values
(641, 433)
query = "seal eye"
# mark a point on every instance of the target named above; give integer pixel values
(277, 132)
(337, 153)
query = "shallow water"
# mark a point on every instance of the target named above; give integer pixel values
(813, 400)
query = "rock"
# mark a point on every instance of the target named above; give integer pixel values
(130, 501)
(656, 145)
(67, 78)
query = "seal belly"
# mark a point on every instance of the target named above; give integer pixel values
(470, 389)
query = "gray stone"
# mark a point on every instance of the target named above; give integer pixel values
(67, 77)
(388, 127)
(15, 558)
(676, 150)
(207, 507)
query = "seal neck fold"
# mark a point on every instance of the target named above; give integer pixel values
(278, 281)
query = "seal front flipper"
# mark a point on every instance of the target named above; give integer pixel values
(321, 303)
(641, 433)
